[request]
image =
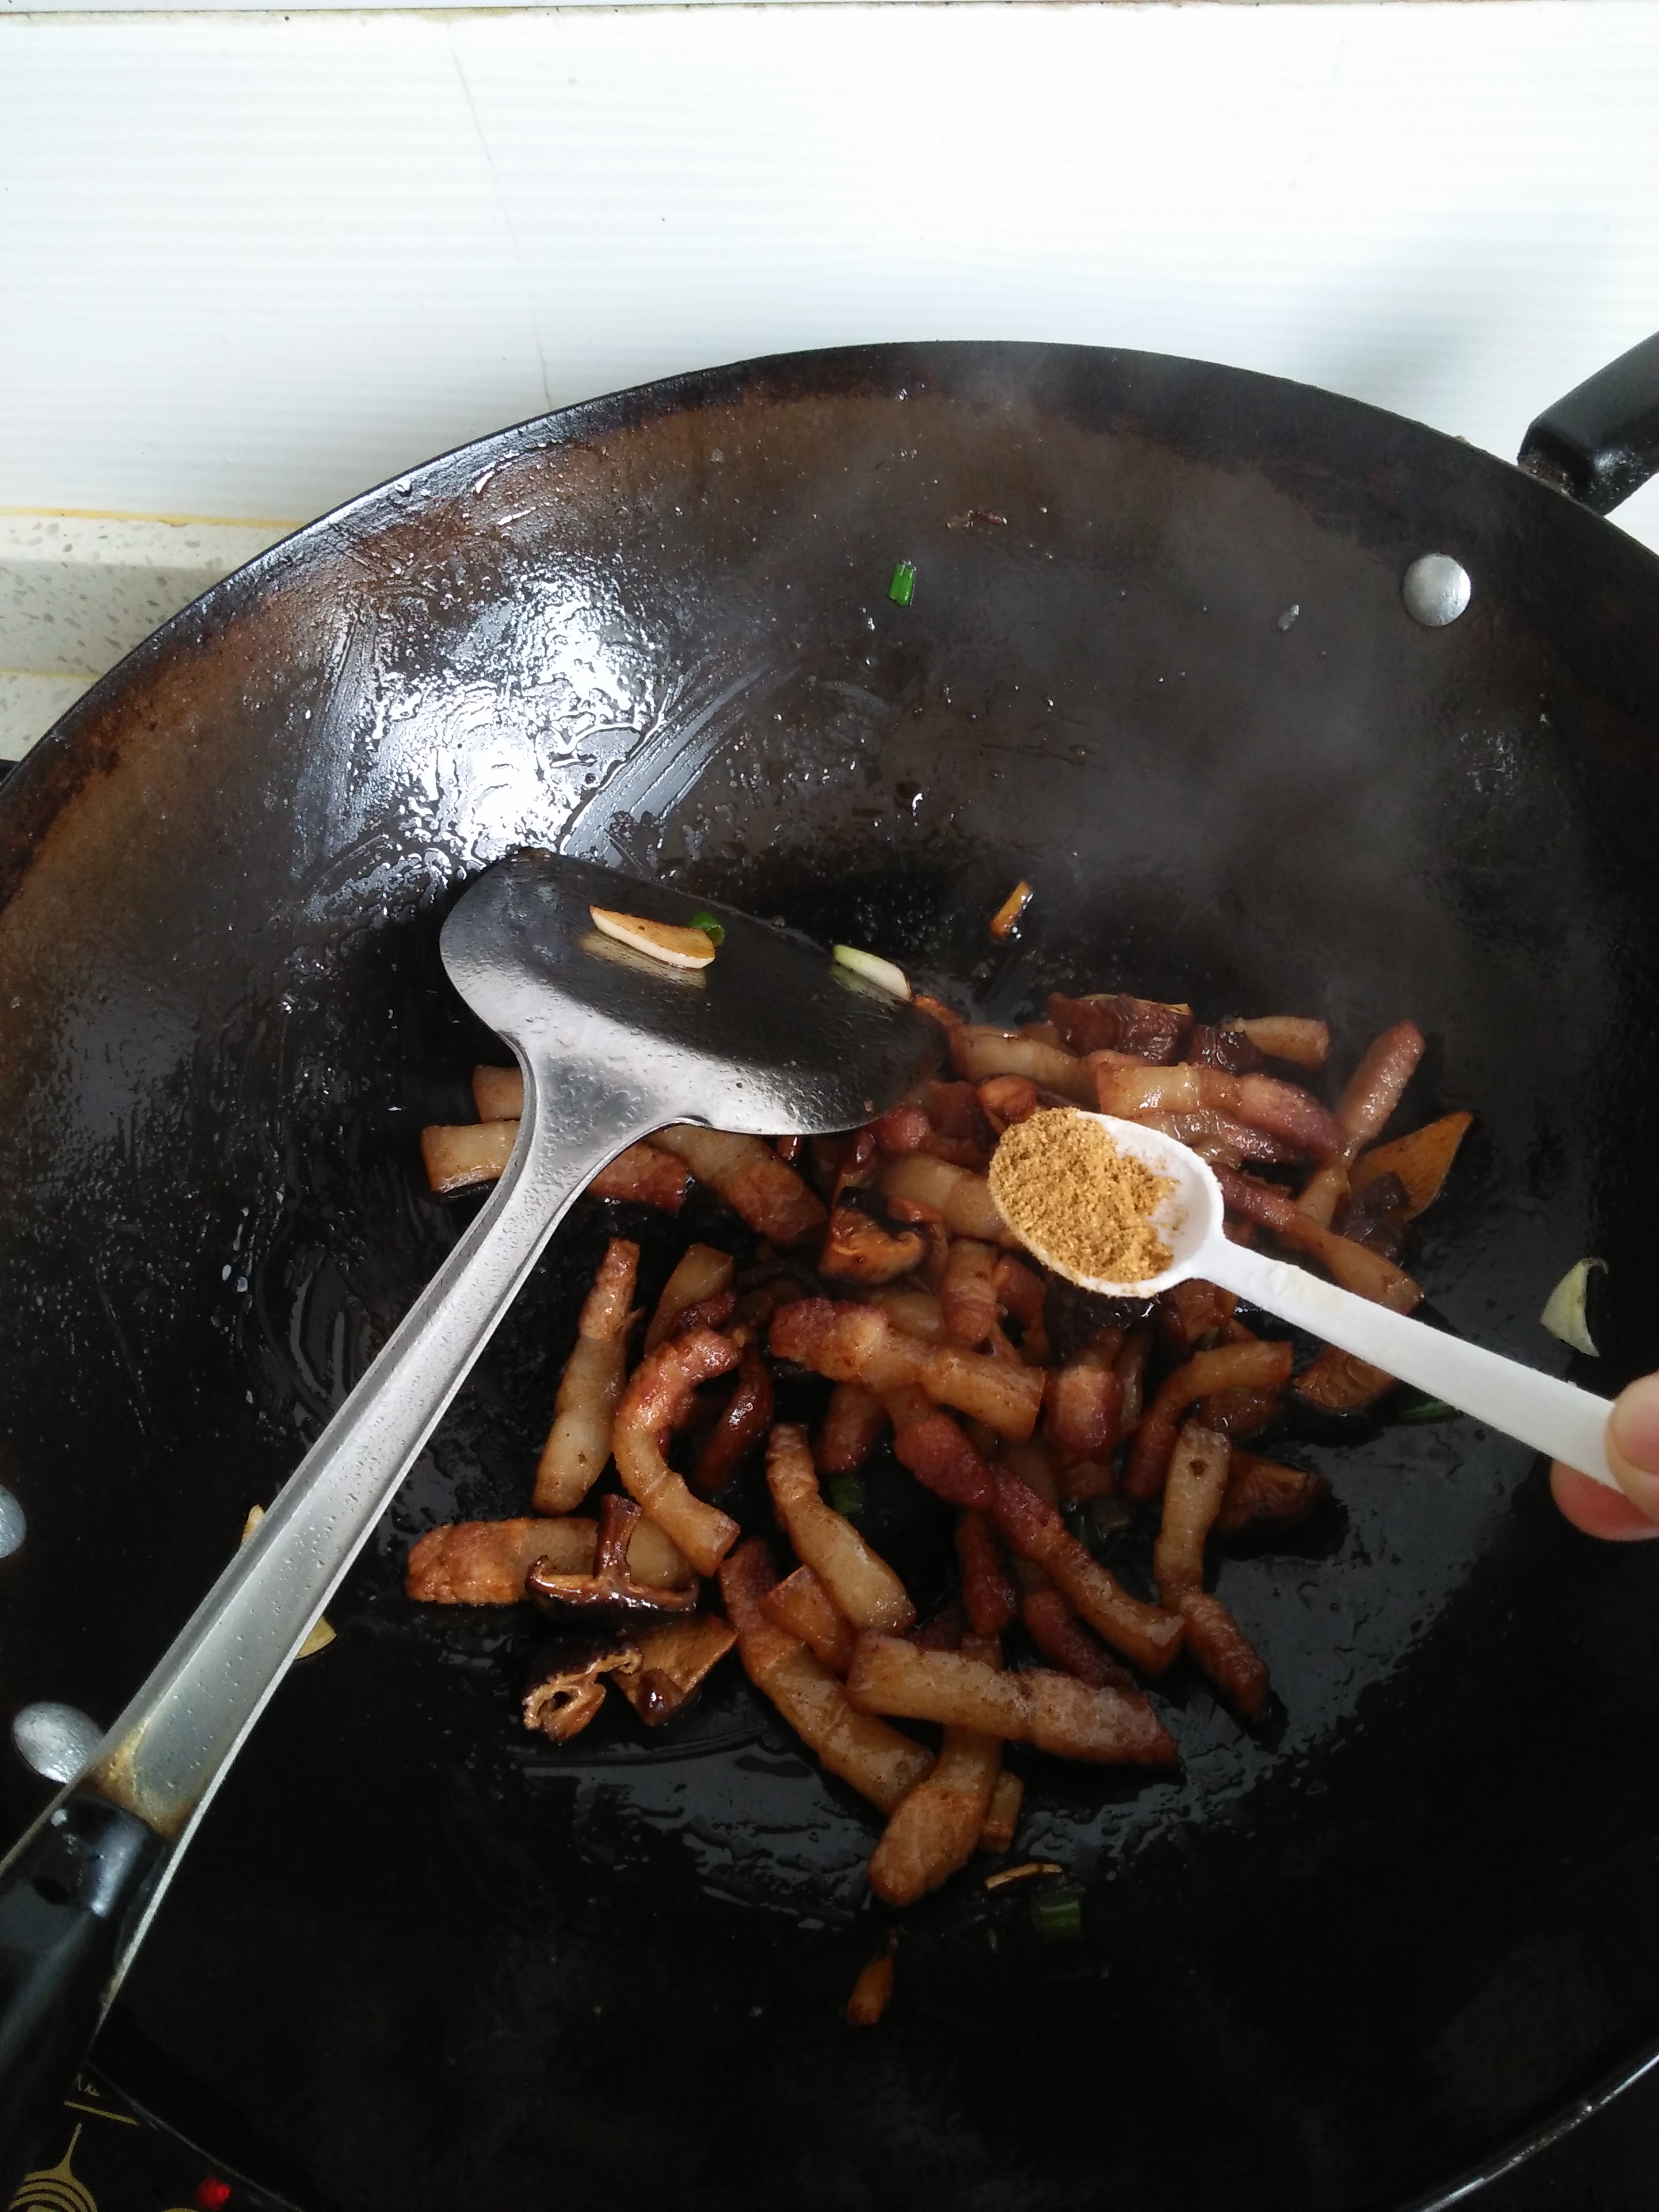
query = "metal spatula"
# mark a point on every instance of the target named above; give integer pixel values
(771, 1038)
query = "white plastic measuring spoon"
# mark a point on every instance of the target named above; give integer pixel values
(1557, 1418)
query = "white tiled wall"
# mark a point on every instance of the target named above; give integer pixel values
(250, 264)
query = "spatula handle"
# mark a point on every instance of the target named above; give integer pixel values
(76, 1892)
(70, 1895)
(1553, 1417)
(165, 1754)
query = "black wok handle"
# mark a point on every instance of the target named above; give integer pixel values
(70, 1895)
(1602, 442)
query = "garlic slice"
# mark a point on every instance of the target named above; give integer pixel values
(1564, 1314)
(321, 1635)
(662, 940)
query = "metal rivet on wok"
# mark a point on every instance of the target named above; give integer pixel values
(12, 1523)
(1435, 590)
(56, 1741)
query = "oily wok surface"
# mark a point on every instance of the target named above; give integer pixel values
(417, 1958)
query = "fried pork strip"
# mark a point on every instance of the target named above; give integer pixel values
(1191, 1498)
(862, 1583)
(1340, 1382)
(460, 1154)
(578, 1444)
(955, 1112)
(987, 1591)
(643, 1176)
(457, 1155)
(859, 1344)
(876, 1760)
(1113, 1021)
(1187, 1311)
(1082, 1416)
(1192, 1502)
(485, 1562)
(801, 1604)
(1059, 1636)
(675, 1658)
(967, 1296)
(931, 1445)
(498, 1093)
(980, 1052)
(659, 1386)
(935, 1828)
(1222, 1650)
(1222, 1139)
(1289, 1036)
(1031, 1527)
(1002, 1816)
(961, 1197)
(1368, 1098)
(874, 1990)
(1126, 1088)
(1019, 1291)
(916, 1311)
(1252, 1364)
(751, 1179)
(700, 1273)
(1008, 1098)
(851, 1429)
(945, 1122)
(1236, 1414)
(1132, 1373)
(1055, 1712)
(1358, 1269)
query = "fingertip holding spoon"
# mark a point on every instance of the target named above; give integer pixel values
(1552, 1416)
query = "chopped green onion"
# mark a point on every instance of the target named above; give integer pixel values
(1428, 1409)
(874, 969)
(712, 930)
(1057, 1917)
(1564, 1316)
(902, 589)
(845, 1493)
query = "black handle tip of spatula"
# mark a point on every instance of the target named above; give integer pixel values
(69, 1894)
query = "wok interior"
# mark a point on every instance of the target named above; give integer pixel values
(417, 1958)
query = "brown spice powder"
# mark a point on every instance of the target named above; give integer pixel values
(1059, 1182)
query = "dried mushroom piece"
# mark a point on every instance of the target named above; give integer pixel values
(612, 1589)
(674, 1658)
(569, 1688)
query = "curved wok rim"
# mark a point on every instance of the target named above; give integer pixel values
(49, 774)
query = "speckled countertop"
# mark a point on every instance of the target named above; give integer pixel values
(79, 591)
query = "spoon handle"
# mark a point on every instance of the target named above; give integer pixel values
(1557, 1418)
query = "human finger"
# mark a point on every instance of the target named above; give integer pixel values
(1632, 1510)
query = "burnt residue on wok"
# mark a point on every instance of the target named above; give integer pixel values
(417, 1957)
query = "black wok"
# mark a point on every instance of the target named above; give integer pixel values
(414, 1961)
